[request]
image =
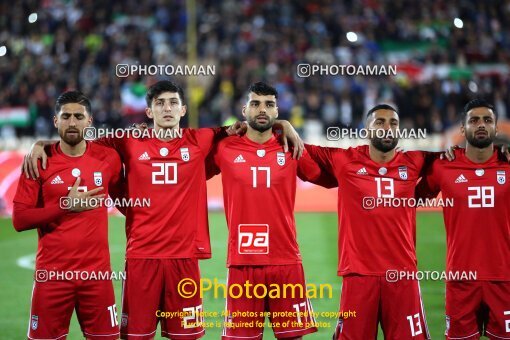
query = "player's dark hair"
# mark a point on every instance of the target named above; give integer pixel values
(263, 89)
(473, 104)
(380, 107)
(163, 86)
(69, 97)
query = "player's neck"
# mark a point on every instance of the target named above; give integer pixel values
(477, 155)
(380, 157)
(257, 136)
(162, 135)
(73, 151)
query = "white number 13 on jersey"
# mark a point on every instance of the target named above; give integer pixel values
(385, 187)
(167, 173)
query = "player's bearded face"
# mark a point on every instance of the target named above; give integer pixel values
(167, 110)
(480, 127)
(383, 130)
(70, 122)
(261, 111)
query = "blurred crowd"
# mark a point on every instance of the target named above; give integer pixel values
(77, 44)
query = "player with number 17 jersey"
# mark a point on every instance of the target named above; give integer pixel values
(259, 189)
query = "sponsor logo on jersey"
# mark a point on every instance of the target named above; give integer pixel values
(253, 239)
(501, 176)
(402, 172)
(144, 157)
(461, 179)
(98, 178)
(280, 158)
(185, 154)
(362, 171)
(57, 180)
(479, 172)
(261, 153)
(239, 159)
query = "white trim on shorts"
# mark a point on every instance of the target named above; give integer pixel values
(463, 337)
(423, 311)
(131, 334)
(183, 334)
(499, 337)
(118, 333)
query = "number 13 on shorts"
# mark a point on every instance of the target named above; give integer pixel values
(415, 324)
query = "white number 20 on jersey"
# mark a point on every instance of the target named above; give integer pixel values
(166, 173)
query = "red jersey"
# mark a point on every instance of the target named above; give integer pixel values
(172, 175)
(478, 222)
(73, 241)
(259, 190)
(372, 241)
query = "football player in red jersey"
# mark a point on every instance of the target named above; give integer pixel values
(259, 189)
(72, 230)
(374, 240)
(477, 228)
(165, 240)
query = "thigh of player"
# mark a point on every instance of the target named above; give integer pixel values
(463, 303)
(96, 309)
(402, 311)
(496, 296)
(359, 308)
(290, 313)
(51, 309)
(142, 293)
(182, 296)
(244, 316)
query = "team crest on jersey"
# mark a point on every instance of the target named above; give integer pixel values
(185, 154)
(501, 176)
(98, 178)
(261, 153)
(34, 322)
(402, 172)
(124, 320)
(280, 158)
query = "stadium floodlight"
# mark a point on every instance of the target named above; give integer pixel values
(352, 37)
(32, 18)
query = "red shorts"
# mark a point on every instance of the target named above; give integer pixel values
(53, 303)
(245, 315)
(368, 300)
(151, 289)
(475, 308)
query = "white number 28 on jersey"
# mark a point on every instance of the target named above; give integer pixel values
(483, 197)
